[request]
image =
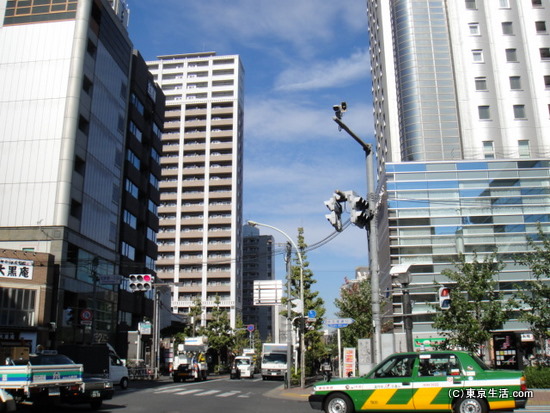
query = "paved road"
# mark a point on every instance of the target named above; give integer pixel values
(214, 395)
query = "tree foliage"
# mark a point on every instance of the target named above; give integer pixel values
(476, 308)
(355, 302)
(313, 331)
(535, 293)
(219, 330)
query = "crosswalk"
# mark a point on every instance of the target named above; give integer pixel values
(184, 390)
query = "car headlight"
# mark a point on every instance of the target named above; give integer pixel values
(108, 385)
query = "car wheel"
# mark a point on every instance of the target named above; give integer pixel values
(470, 405)
(338, 403)
(96, 404)
(124, 383)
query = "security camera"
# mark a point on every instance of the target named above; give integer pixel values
(343, 106)
(336, 108)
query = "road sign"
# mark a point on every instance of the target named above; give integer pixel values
(312, 314)
(339, 322)
(86, 317)
(250, 328)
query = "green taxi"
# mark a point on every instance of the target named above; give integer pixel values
(432, 380)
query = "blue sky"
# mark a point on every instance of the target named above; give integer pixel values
(300, 58)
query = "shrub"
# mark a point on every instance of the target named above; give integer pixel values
(537, 377)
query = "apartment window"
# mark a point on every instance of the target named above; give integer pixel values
(130, 219)
(481, 83)
(523, 149)
(536, 2)
(511, 55)
(488, 150)
(519, 111)
(484, 112)
(477, 56)
(545, 53)
(540, 26)
(474, 29)
(515, 83)
(135, 131)
(128, 251)
(471, 4)
(507, 28)
(131, 188)
(547, 82)
(504, 4)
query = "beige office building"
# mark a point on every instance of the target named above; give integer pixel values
(201, 188)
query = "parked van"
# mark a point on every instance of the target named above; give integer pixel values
(99, 360)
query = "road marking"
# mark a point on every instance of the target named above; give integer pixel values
(207, 393)
(228, 394)
(190, 391)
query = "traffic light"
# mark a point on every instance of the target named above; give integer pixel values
(444, 298)
(335, 208)
(141, 282)
(359, 210)
(68, 317)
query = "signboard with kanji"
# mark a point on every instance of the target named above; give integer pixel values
(16, 269)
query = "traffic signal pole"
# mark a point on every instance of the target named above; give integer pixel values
(372, 234)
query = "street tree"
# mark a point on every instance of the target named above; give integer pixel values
(476, 308)
(313, 329)
(195, 313)
(534, 294)
(355, 302)
(219, 331)
(241, 340)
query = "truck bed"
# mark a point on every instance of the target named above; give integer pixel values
(27, 376)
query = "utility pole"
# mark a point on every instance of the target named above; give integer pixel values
(372, 232)
(288, 257)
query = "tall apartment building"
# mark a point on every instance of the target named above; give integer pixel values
(201, 189)
(65, 81)
(258, 265)
(456, 85)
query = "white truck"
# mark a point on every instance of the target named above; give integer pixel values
(274, 360)
(42, 378)
(245, 364)
(190, 360)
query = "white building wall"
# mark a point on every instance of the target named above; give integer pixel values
(34, 66)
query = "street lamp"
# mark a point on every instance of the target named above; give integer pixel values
(372, 232)
(302, 341)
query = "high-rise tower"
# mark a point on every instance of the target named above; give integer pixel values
(461, 96)
(201, 188)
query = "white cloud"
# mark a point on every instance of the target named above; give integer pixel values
(325, 74)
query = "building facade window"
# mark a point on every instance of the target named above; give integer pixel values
(470, 4)
(511, 55)
(474, 29)
(477, 56)
(484, 112)
(515, 82)
(131, 188)
(519, 112)
(545, 53)
(507, 28)
(488, 150)
(523, 149)
(128, 251)
(540, 26)
(481, 83)
(17, 307)
(130, 219)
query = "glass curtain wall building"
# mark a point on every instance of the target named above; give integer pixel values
(461, 96)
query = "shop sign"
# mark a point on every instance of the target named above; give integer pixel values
(16, 269)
